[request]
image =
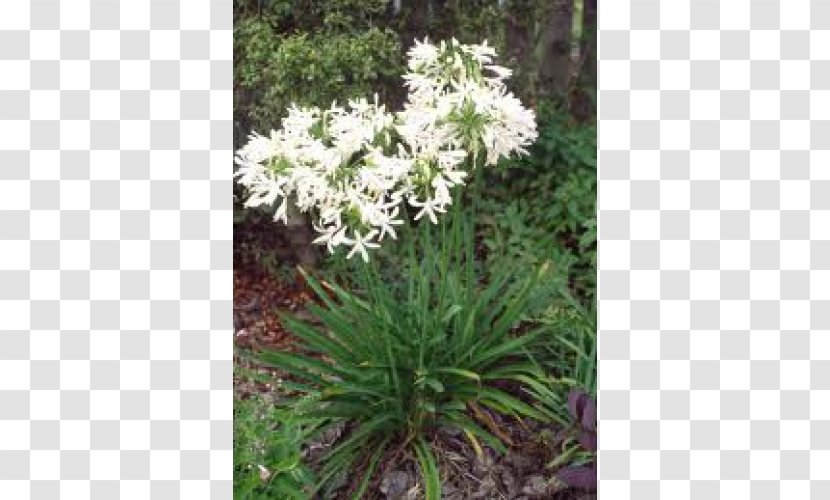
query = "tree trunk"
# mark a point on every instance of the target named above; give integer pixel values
(589, 42)
(582, 101)
(519, 40)
(555, 41)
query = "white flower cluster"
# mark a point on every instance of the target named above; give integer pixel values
(352, 167)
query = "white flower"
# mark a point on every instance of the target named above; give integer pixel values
(422, 54)
(354, 128)
(428, 207)
(388, 223)
(347, 168)
(501, 72)
(360, 243)
(282, 211)
(482, 53)
(332, 236)
(452, 158)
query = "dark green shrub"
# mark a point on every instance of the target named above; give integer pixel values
(277, 70)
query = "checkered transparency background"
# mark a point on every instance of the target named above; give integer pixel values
(714, 255)
(115, 249)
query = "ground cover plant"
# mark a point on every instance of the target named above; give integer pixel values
(444, 347)
(267, 459)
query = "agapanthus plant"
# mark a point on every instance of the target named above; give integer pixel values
(355, 168)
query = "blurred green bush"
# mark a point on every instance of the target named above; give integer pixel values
(312, 52)
(275, 70)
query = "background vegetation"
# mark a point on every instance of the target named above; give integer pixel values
(540, 208)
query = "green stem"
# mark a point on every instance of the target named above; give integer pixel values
(424, 289)
(470, 243)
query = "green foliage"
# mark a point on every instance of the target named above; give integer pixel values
(347, 14)
(570, 359)
(275, 71)
(255, 40)
(267, 453)
(429, 469)
(571, 353)
(469, 21)
(313, 52)
(543, 206)
(290, 15)
(403, 359)
(563, 144)
(510, 235)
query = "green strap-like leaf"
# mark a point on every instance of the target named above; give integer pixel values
(461, 373)
(429, 469)
(465, 423)
(503, 402)
(370, 469)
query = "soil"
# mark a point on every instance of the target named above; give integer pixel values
(259, 296)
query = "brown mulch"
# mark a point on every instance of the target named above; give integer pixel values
(466, 473)
(258, 298)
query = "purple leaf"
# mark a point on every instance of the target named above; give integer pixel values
(583, 408)
(583, 477)
(576, 403)
(588, 440)
(589, 414)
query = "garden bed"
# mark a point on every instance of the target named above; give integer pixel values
(519, 474)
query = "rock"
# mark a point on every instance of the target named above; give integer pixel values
(414, 493)
(536, 486)
(333, 433)
(317, 447)
(395, 485)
